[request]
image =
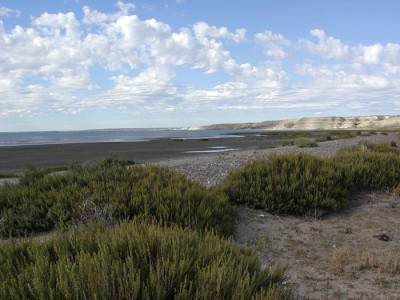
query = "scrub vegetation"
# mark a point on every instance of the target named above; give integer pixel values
(108, 192)
(124, 232)
(133, 231)
(304, 184)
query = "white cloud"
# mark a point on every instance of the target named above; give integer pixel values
(370, 54)
(8, 12)
(125, 8)
(204, 31)
(327, 47)
(151, 90)
(274, 44)
(361, 67)
(59, 51)
(54, 24)
(331, 48)
(94, 17)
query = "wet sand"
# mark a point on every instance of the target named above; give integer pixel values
(14, 159)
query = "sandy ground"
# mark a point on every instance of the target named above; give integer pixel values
(338, 257)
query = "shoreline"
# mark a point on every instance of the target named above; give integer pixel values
(15, 159)
(204, 160)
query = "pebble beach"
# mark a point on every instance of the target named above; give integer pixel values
(205, 161)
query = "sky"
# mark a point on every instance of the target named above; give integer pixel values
(92, 64)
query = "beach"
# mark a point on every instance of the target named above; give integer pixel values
(14, 159)
(205, 160)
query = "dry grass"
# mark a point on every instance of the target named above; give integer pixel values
(388, 263)
(341, 257)
(384, 263)
(395, 196)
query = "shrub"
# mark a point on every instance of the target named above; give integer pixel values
(370, 147)
(370, 166)
(300, 184)
(109, 191)
(135, 260)
(303, 143)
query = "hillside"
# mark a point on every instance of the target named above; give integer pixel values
(323, 123)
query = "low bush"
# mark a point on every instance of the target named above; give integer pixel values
(7, 175)
(109, 191)
(303, 184)
(370, 166)
(135, 260)
(300, 184)
(370, 147)
(303, 143)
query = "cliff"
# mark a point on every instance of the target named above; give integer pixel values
(323, 123)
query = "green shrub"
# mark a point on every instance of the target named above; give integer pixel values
(303, 143)
(302, 184)
(371, 147)
(109, 191)
(370, 166)
(8, 175)
(299, 184)
(135, 260)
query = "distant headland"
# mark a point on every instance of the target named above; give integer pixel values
(377, 122)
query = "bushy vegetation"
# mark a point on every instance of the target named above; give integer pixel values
(303, 143)
(135, 260)
(7, 175)
(303, 184)
(300, 184)
(146, 232)
(320, 135)
(109, 191)
(370, 166)
(133, 232)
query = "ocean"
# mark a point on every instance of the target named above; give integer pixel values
(109, 135)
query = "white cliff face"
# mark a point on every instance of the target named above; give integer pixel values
(323, 123)
(332, 123)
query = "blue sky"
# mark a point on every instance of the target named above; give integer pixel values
(85, 64)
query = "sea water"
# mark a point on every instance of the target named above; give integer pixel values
(109, 135)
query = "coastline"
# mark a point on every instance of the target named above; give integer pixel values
(205, 160)
(15, 159)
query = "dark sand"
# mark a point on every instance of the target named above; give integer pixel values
(17, 158)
